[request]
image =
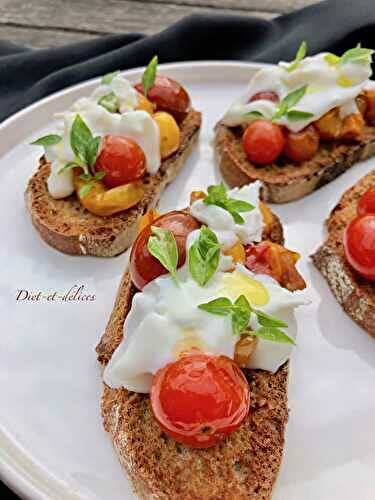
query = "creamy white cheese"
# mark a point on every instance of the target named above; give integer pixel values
(136, 124)
(165, 319)
(328, 86)
(222, 223)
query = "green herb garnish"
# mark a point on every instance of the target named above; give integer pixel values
(85, 148)
(254, 114)
(357, 55)
(286, 104)
(149, 75)
(162, 245)
(107, 79)
(47, 140)
(204, 256)
(240, 312)
(110, 102)
(217, 195)
(301, 53)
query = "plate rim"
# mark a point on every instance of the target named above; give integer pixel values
(22, 473)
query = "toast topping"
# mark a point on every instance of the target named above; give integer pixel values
(328, 82)
(113, 138)
(235, 215)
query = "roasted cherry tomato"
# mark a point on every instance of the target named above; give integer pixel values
(267, 96)
(143, 266)
(168, 95)
(359, 245)
(263, 141)
(366, 204)
(122, 160)
(276, 261)
(200, 399)
(302, 146)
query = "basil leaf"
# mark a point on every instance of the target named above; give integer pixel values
(221, 306)
(240, 315)
(266, 320)
(254, 114)
(68, 166)
(107, 79)
(47, 140)
(357, 55)
(92, 150)
(204, 256)
(294, 115)
(110, 102)
(273, 335)
(85, 189)
(162, 245)
(86, 177)
(289, 101)
(301, 52)
(100, 175)
(149, 75)
(80, 139)
(217, 195)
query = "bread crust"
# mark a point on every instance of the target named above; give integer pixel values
(244, 466)
(354, 293)
(67, 226)
(288, 181)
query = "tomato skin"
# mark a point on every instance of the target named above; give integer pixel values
(303, 145)
(267, 95)
(359, 245)
(366, 204)
(199, 399)
(263, 141)
(168, 95)
(122, 159)
(143, 266)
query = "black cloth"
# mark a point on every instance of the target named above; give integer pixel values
(27, 75)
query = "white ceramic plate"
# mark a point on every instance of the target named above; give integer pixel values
(52, 443)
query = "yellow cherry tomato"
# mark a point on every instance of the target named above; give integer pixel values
(237, 252)
(144, 104)
(196, 195)
(148, 218)
(169, 133)
(268, 218)
(103, 201)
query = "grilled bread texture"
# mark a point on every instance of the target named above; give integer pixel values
(354, 293)
(286, 180)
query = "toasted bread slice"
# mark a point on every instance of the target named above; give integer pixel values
(67, 226)
(355, 293)
(244, 466)
(285, 180)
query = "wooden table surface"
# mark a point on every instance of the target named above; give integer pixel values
(47, 23)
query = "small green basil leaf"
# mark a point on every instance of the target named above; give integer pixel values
(204, 256)
(80, 139)
(221, 306)
(357, 55)
(107, 79)
(92, 150)
(162, 245)
(294, 115)
(110, 102)
(240, 315)
(301, 52)
(85, 189)
(273, 335)
(100, 175)
(86, 177)
(47, 140)
(266, 320)
(254, 114)
(68, 166)
(149, 75)
(289, 101)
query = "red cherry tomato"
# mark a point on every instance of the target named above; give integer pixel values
(168, 95)
(267, 96)
(200, 399)
(143, 266)
(366, 204)
(263, 141)
(122, 160)
(359, 245)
